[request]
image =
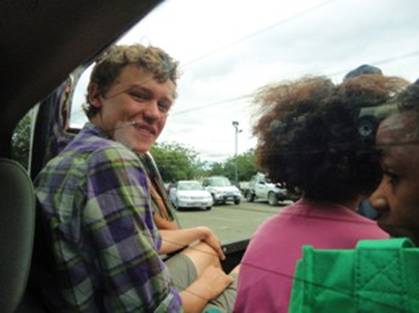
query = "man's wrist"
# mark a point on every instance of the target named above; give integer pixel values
(203, 232)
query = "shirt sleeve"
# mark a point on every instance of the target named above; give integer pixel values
(121, 232)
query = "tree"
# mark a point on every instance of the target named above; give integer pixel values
(216, 169)
(21, 140)
(245, 163)
(176, 162)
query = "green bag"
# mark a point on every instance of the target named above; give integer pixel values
(378, 276)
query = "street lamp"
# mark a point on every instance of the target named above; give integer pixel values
(236, 139)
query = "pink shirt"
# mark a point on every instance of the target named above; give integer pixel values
(267, 267)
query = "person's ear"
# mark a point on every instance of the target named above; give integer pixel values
(94, 96)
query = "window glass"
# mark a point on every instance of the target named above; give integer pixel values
(21, 139)
(189, 186)
(229, 49)
(77, 117)
(219, 181)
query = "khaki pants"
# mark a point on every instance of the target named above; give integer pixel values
(183, 274)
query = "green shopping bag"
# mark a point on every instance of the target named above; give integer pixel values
(377, 276)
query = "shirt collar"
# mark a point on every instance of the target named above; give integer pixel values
(94, 130)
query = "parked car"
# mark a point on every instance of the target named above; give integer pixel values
(190, 194)
(222, 190)
(244, 186)
(261, 188)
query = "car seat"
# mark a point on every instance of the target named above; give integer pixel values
(17, 224)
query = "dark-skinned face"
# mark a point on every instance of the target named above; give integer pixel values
(397, 197)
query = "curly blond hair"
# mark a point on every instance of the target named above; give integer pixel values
(109, 65)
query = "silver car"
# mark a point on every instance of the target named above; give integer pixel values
(190, 194)
(222, 190)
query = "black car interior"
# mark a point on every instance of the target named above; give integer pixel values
(43, 41)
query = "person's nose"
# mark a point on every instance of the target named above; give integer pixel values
(378, 198)
(380, 204)
(151, 111)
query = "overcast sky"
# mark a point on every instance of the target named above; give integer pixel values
(229, 48)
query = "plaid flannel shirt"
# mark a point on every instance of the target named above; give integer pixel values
(96, 209)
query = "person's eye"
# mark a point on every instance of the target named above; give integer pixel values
(393, 178)
(164, 106)
(138, 96)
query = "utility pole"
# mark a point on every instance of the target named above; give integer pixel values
(236, 140)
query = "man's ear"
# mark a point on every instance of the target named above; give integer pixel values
(94, 96)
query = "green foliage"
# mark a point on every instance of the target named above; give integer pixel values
(21, 140)
(245, 163)
(176, 162)
(216, 169)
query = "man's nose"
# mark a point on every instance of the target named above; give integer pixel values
(379, 203)
(151, 110)
(378, 199)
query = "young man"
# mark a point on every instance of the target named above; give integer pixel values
(95, 203)
(397, 197)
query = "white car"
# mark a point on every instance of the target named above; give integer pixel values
(190, 194)
(222, 190)
(261, 188)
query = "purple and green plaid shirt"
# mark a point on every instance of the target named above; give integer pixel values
(96, 207)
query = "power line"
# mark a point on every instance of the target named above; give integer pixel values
(228, 100)
(284, 21)
(258, 32)
(265, 29)
(381, 62)
(248, 96)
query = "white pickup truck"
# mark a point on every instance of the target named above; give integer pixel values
(260, 188)
(222, 190)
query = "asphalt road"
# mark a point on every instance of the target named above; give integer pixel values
(230, 222)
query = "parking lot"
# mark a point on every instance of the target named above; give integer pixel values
(231, 222)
